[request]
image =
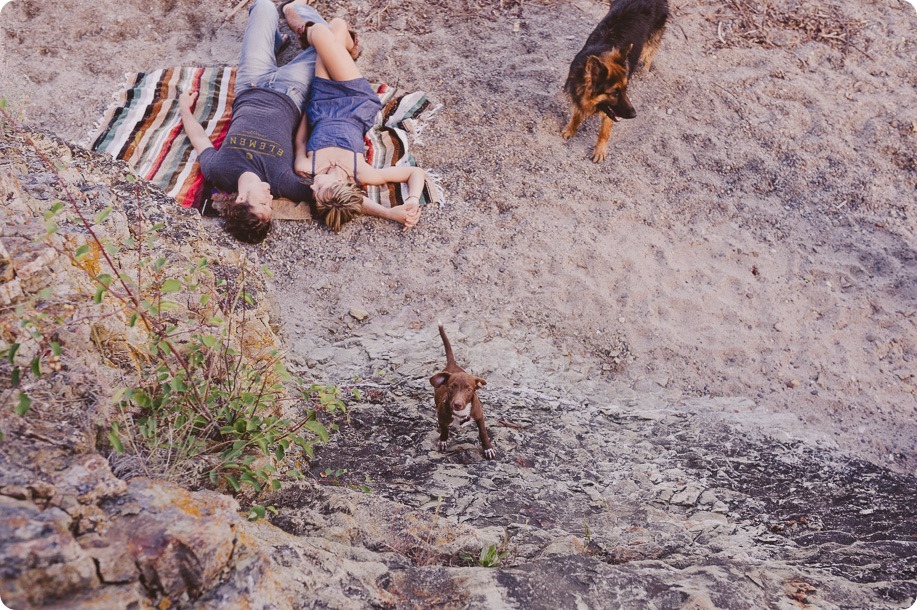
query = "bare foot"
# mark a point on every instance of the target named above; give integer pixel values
(407, 214)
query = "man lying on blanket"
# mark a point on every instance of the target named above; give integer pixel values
(257, 156)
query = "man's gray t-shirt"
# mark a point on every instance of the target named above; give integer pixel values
(259, 140)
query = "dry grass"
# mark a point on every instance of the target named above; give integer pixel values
(746, 23)
(422, 538)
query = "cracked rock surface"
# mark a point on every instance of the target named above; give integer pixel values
(604, 496)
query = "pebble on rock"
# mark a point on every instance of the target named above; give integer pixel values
(358, 314)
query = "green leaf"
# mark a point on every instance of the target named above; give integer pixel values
(35, 366)
(257, 512)
(56, 348)
(266, 271)
(319, 429)
(233, 482)
(3, 103)
(168, 306)
(213, 476)
(104, 279)
(51, 227)
(171, 285)
(24, 403)
(45, 293)
(100, 293)
(11, 352)
(133, 319)
(15, 376)
(281, 371)
(131, 178)
(251, 480)
(209, 341)
(101, 216)
(115, 440)
(81, 252)
(205, 298)
(55, 210)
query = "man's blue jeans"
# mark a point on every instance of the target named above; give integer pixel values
(258, 63)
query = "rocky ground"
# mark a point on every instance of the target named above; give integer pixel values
(600, 496)
(699, 355)
(593, 480)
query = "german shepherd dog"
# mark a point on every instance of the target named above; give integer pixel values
(597, 82)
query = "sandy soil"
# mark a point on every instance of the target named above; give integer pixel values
(752, 232)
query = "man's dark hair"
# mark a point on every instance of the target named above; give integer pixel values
(241, 222)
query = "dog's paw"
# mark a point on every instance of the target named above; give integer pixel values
(443, 445)
(490, 453)
(599, 155)
(566, 133)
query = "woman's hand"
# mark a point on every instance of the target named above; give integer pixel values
(186, 100)
(408, 214)
(302, 166)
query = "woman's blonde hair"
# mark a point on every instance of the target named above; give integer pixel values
(340, 207)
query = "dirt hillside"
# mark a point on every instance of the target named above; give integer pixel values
(751, 234)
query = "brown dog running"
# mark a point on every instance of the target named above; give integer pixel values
(597, 81)
(456, 397)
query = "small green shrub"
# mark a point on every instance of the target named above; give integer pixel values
(491, 556)
(193, 407)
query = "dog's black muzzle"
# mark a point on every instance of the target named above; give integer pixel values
(619, 111)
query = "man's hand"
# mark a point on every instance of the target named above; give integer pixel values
(196, 134)
(186, 100)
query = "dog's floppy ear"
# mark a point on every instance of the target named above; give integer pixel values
(478, 383)
(439, 379)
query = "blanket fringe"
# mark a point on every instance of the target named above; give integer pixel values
(117, 100)
(435, 186)
(418, 125)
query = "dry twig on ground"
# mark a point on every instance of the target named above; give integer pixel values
(754, 23)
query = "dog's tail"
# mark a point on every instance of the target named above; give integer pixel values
(450, 358)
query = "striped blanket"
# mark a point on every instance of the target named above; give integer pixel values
(143, 127)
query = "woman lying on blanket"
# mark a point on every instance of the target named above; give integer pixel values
(268, 129)
(341, 109)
